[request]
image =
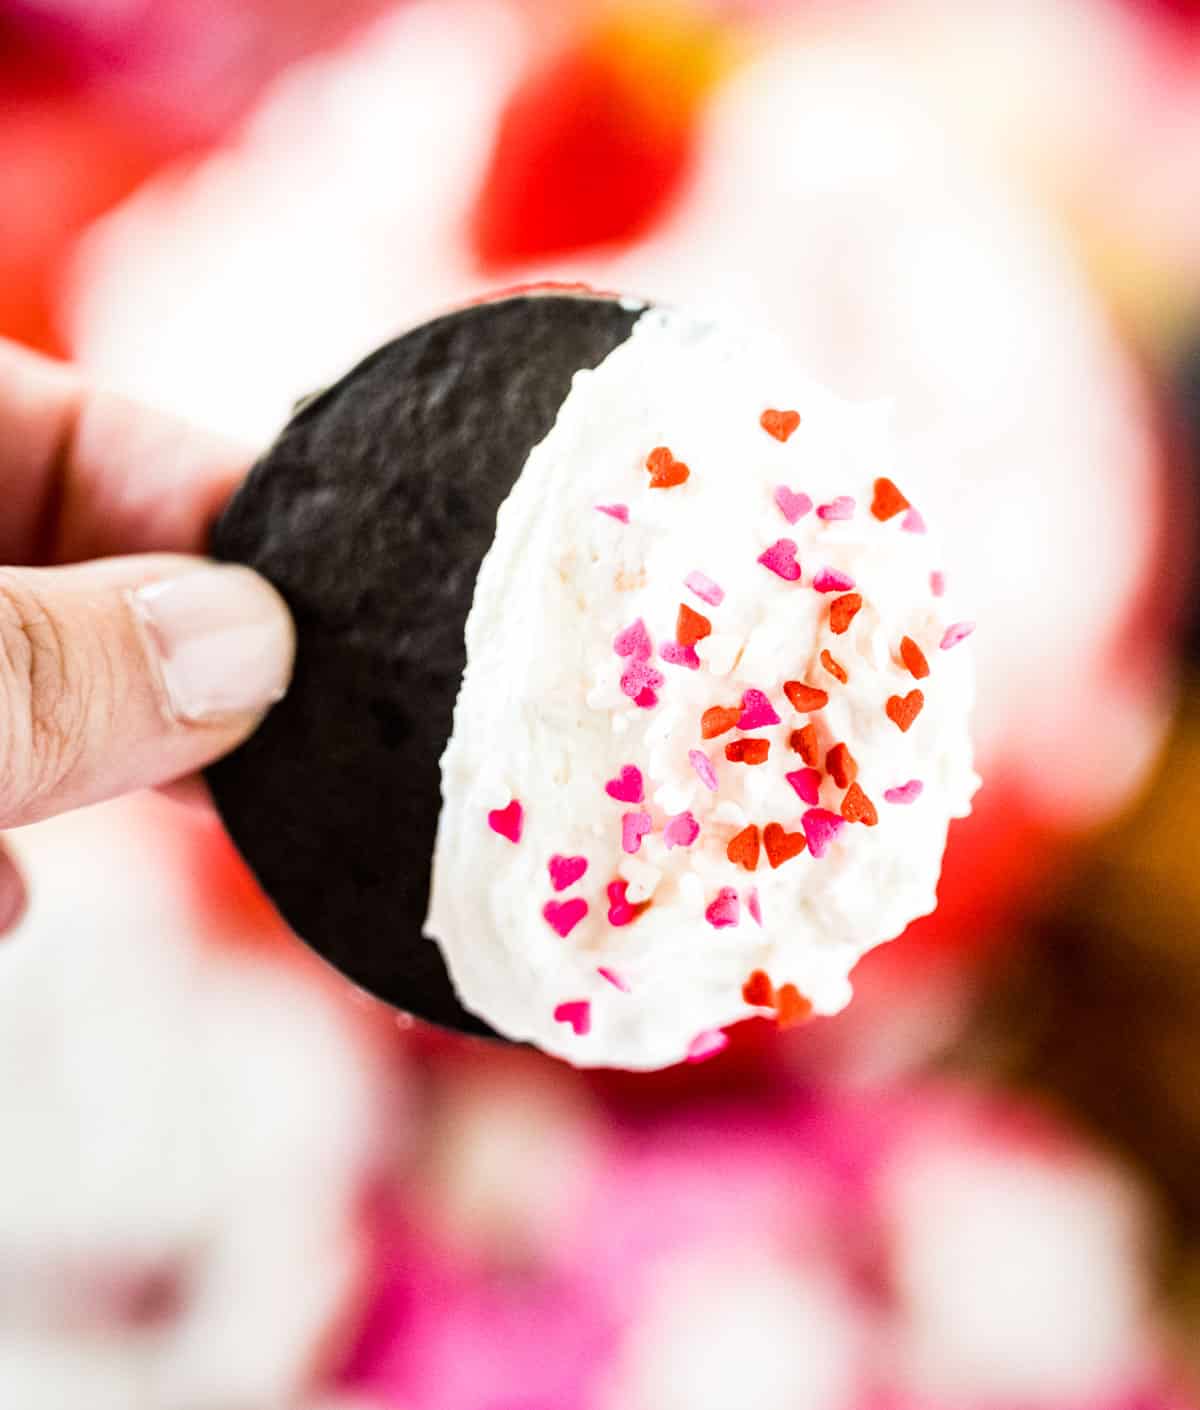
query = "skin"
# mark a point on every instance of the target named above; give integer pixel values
(101, 498)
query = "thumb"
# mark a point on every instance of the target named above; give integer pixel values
(129, 672)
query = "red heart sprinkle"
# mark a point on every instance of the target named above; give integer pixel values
(622, 911)
(508, 821)
(791, 1007)
(564, 916)
(902, 710)
(565, 871)
(782, 846)
(690, 626)
(718, 719)
(888, 501)
(836, 671)
(665, 470)
(804, 742)
(840, 766)
(748, 751)
(627, 787)
(743, 849)
(758, 991)
(578, 1013)
(779, 424)
(857, 807)
(914, 658)
(843, 610)
(805, 698)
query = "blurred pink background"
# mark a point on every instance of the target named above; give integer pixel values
(228, 1181)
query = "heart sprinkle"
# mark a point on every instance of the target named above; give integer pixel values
(758, 991)
(705, 589)
(830, 580)
(578, 1013)
(757, 711)
(821, 827)
(681, 830)
(509, 821)
(840, 508)
(781, 559)
(691, 626)
(634, 640)
(564, 916)
(718, 719)
(781, 846)
(804, 742)
(857, 807)
(937, 584)
(628, 786)
(665, 471)
(622, 911)
(791, 1007)
(753, 906)
(614, 511)
(912, 522)
(906, 792)
(903, 710)
(888, 501)
(634, 826)
(704, 769)
(748, 751)
(645, 699)
(613, 978)
(640, 678)
(842, 611)
(706, 1045)
(834, 669)
(725, 910)
(675, 654)
(805, 698)
(742, 850)
(956, 632)
(793, 504)
(841, 766)
(913, 658)
(779, 424)
(565, 871)
(807, 783)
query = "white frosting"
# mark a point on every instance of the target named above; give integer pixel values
(541, 717)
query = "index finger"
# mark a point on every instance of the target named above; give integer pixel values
(90, 474)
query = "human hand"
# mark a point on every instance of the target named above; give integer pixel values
(126, 661)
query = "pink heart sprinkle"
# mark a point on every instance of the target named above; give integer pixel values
(565, 871)
(793, 505)
(681, 831)
(634, 826)
(906, 793)
(704, 770)
(753, 906)
(676, 655)
(830, 580)
(913, 522)
(821, 827)
(706, 1045)
(508, 821)
(956, 632)
(634, 640)
(705, 589)
(578, 1013)
(807, 783)
(840, 508)
(725, 910)
(645, 699)
(564, 916)
(639, 676)
(757, 711)
(620, 909)
(611, 975)
(781, 559)
(615, 511)
(937, 583)
(628, 786)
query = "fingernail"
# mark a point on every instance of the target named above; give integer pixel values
(223, 639)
